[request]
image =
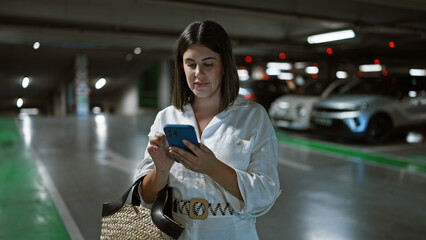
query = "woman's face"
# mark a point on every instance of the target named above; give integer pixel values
(203, 70)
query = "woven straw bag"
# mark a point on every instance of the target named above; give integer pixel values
(130, 222)
(134, 222)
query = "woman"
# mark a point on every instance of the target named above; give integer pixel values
(233, 171)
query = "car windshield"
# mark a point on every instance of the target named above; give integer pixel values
(315, 88)
(375, 86)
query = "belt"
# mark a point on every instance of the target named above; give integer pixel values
(196, 208)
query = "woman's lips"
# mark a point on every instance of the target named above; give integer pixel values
(200, 84)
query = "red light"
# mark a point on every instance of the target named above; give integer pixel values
(315, 64)
(265, 76)
(242, 67)
(360, 74)
(314, 76)
(376, 61)
(391, 44)
(282, 56)
(248, 59)
(329, 51)
(384, 73)
(250, 96)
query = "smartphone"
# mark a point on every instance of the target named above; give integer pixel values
(175, 133)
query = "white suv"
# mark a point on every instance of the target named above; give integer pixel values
(372, 108)
(293, 111)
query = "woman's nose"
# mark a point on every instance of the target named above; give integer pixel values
(198, 70)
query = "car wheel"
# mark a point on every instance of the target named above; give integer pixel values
(378, 130)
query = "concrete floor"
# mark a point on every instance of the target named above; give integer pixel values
(327, 195)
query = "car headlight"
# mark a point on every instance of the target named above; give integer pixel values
(363, 106)
(301, 110)
(283, 105)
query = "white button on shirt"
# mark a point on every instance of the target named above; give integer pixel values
(241, 137)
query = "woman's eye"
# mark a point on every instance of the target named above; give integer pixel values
(191, 65)
(208, 64)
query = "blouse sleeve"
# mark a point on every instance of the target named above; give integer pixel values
(259, 184)
(147, 165)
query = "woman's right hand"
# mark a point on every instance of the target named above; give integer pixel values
(159, 150)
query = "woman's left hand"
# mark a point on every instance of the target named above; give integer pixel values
(203, 161)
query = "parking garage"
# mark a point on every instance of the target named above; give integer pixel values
(81, 83)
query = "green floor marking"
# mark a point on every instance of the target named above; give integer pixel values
(26, 208)
(347, 152)
(418, 157)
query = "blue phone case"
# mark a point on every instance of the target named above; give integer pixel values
(175, 133)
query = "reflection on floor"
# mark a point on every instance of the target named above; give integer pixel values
(330, 191)
(26, 209)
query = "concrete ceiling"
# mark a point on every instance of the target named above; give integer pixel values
(107, 31)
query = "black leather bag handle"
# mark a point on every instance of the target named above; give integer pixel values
(161, 211)
(112, 207)
(161, 214)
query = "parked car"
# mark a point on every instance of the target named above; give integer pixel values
(264, 91)
(293, 111)
(373, 108)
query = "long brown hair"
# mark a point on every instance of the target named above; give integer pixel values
(213, 36)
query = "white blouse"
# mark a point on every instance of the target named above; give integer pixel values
(243, 138)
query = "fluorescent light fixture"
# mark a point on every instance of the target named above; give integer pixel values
(331, 36)
(312, 70)
(412, 94)
(370, 68)
(100, 83)
(417, 72)
(285, 76)
(25, 82)
(19, 102)
(273, 71)
(243, 74)
(280, 65)
(341, 74)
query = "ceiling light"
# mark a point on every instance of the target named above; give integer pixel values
(312, 70)
(273, 71)
(341, 74)
(417, 72)
(370, 68)
(25, 82)
(285, 76)
(36, 45)
(279, 65)
(331, 36)
(19, 102)
(100, 83)
(137, 50)
(243, 74)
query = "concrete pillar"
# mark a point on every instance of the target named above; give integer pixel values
(165, 80)
(82, 89)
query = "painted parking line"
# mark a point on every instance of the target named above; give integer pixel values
(118, 162)
(294, 164)
(26, 207)
(341, 150)
(418, 157)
